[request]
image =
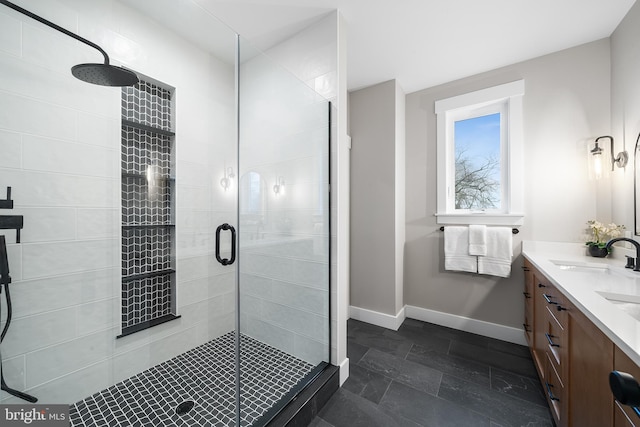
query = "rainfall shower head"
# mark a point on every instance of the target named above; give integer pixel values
(98, 74)
(104, 74)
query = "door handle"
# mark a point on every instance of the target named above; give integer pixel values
(226, 261)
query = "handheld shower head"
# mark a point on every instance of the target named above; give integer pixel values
(4, 263)
(98, 74)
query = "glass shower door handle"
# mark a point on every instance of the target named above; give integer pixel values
(226, 261)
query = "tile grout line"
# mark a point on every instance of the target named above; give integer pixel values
(490, 377)
(385, 392)
(408, 352)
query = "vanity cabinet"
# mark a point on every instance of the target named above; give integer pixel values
(548, 342)
(624, 416)
(572, 356)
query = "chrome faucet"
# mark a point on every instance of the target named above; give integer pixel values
(634, 243)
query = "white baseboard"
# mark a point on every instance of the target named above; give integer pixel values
(376, 318)
(480, 327)
(344, 371)
(467, 324)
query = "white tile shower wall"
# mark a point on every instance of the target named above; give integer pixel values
(11, 148)
(311, 55)
(285, 300)
(60, 151)
(13, 371)
(10, 35)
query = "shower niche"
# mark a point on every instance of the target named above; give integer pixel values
(148, 229)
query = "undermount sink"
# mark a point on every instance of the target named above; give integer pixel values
(571, 265)
(630, 304)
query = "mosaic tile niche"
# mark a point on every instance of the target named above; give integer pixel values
(148, 230)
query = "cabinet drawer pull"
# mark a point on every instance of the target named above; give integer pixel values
(561, 308)
(525, 268)
(548, 299)
(550, 393)
(551, 343)
(526, 295)
(540, 285)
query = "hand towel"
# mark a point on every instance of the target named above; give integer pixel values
(456, 250)
(478, 240)
(497, 262)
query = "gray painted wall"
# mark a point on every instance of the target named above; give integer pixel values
(400, 196)
(625, 109)
(376, 226)
(566, 105)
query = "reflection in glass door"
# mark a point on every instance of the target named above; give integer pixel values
(283, 222)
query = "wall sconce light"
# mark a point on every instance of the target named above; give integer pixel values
(225, 182)
(278, 188)
(620, 160)
(153, 174)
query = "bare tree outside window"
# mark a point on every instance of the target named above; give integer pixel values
(477, 163)
(475, 183)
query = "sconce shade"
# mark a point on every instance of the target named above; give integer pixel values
(225, 181)
(596, 159)
(278, 188)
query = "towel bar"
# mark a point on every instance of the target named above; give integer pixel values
(513, 230)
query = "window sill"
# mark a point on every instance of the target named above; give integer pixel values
(480, 218)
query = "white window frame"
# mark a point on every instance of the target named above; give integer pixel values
(506, 99)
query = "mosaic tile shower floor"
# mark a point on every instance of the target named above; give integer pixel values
(205, 375)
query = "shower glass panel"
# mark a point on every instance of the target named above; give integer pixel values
(120, 309)
(283, 208)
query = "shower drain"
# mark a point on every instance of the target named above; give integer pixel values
(185, 407)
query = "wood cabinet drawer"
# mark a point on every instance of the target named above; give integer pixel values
(556, 344)
(554, 301)
(555, 393)
(528, 324)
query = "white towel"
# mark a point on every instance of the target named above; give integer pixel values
(478, 240)
(497, 262)
(456, 250)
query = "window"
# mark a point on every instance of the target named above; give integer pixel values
(479, 157)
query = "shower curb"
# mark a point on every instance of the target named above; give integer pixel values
(306, 405)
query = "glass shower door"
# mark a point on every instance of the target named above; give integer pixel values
(283, 239)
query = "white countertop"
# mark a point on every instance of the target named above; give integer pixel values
(583, 287)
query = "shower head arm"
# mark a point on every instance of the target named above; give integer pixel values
(56, 27)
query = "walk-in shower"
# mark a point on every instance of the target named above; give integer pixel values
(173, 264)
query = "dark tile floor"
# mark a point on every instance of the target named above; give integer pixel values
(429, 375)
